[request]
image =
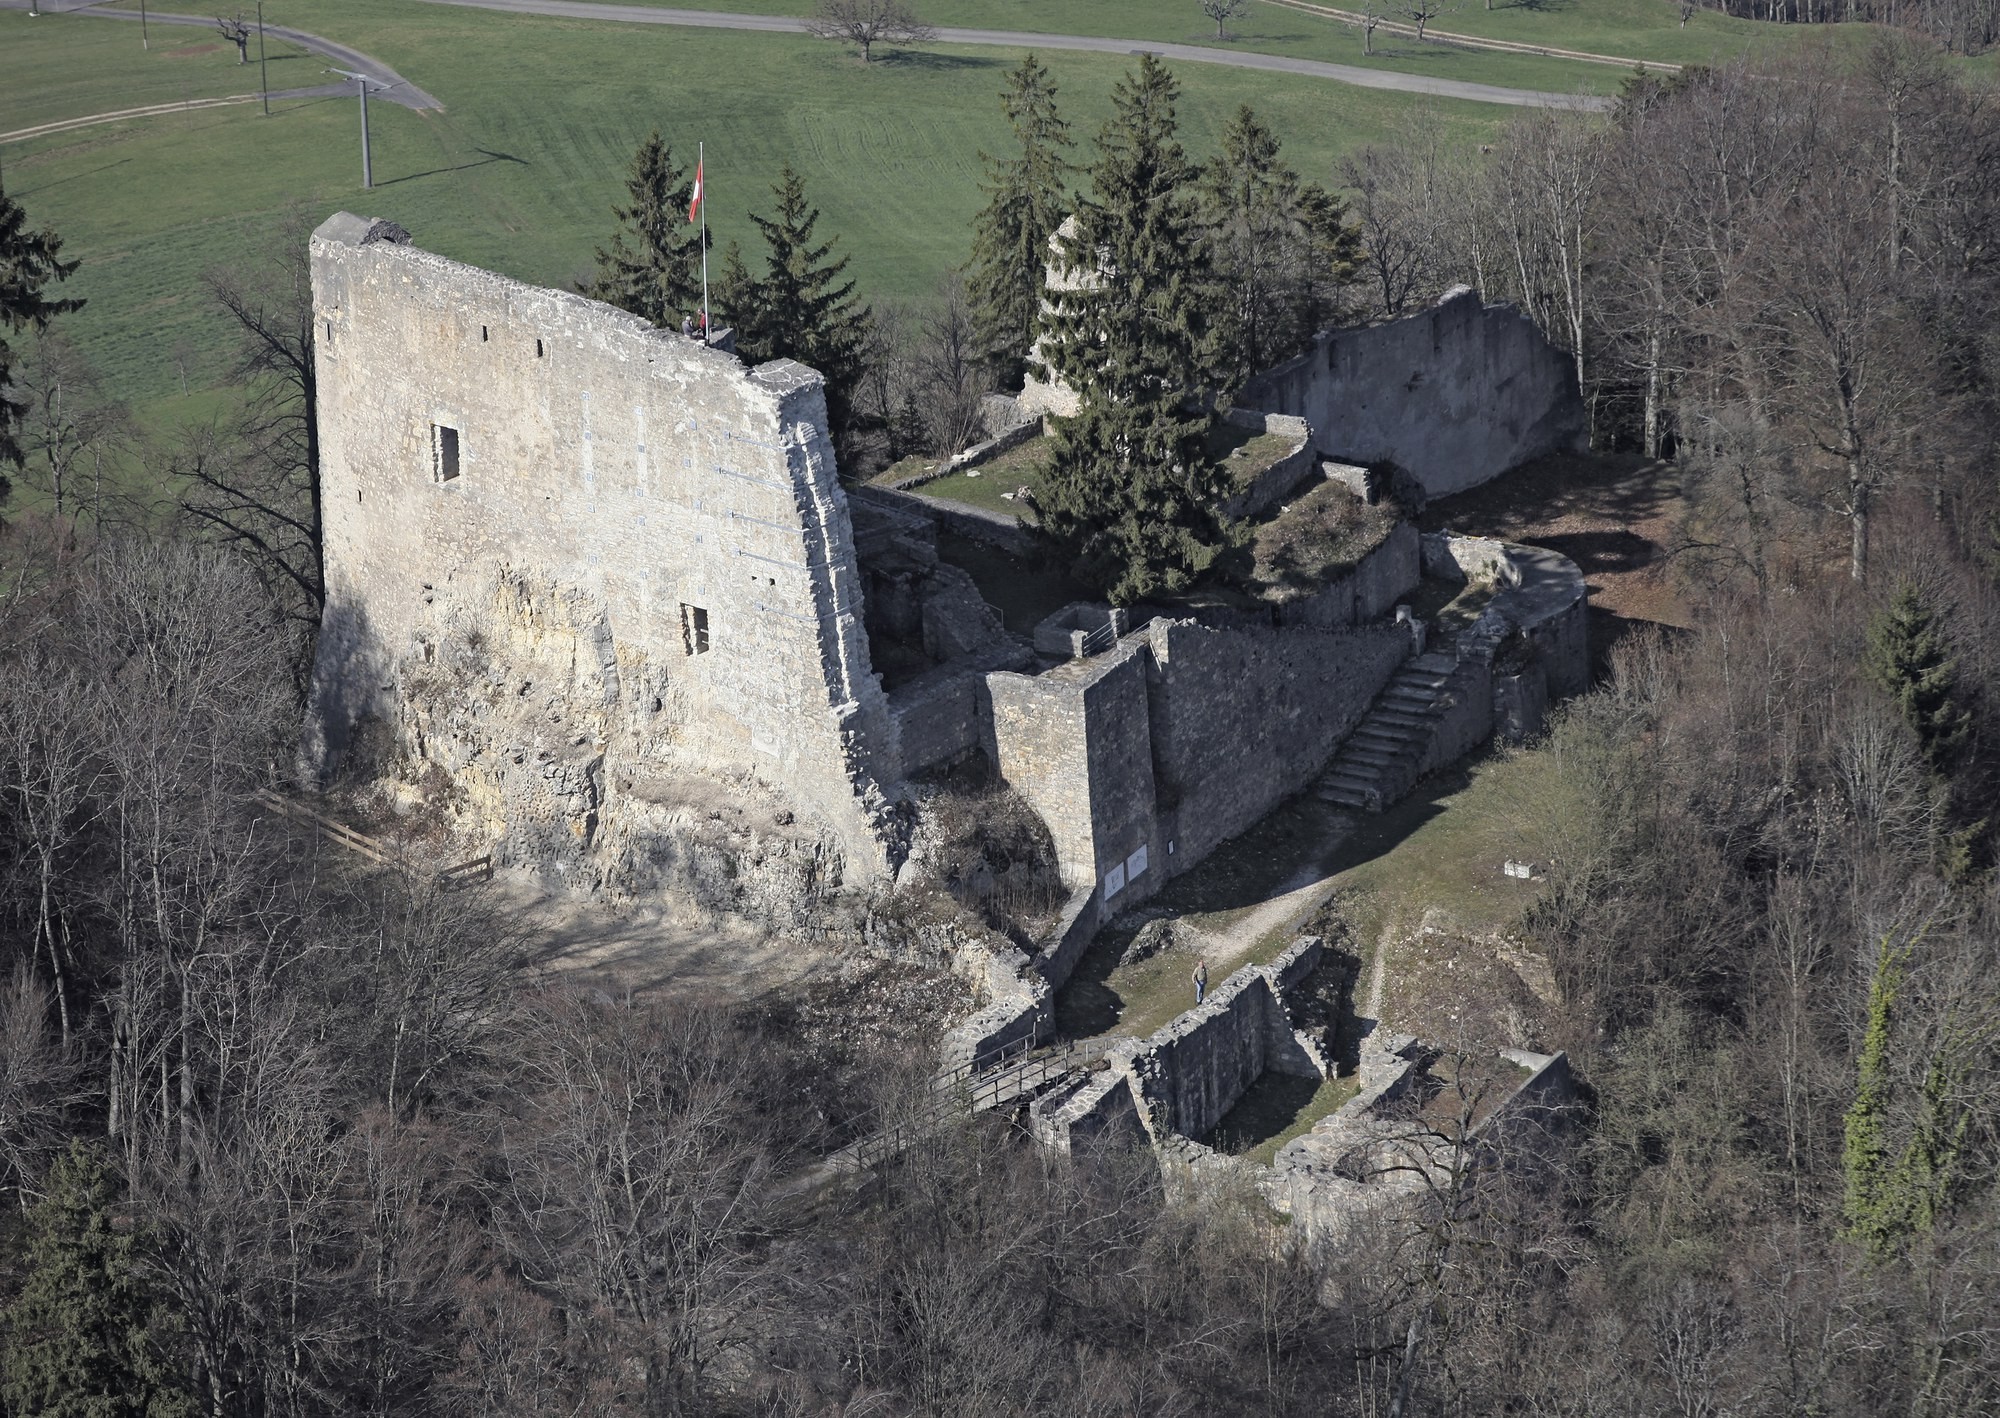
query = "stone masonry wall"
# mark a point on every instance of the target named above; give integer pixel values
(1241, 719)
(1074, 741)
(1384, 577)
(1455, 395)
(490, 445)
(1192, 1072)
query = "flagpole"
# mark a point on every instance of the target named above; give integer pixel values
(700, 156)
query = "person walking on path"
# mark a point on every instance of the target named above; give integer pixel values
(1200, 981)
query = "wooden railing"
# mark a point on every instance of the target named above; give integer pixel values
(963, 1092)
(372, 849)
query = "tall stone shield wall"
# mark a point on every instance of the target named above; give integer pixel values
(522, 467)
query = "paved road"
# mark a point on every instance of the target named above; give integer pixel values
(395, 87)
(1010, 39)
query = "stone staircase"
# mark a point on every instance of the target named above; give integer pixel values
(1381, 759)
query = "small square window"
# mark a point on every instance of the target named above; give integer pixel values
(694, 629)
(444, 452)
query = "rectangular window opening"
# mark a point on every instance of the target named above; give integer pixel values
(694, 629)
(538, 349)
(482, 333)
(444, 452)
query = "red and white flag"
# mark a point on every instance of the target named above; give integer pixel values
(694, 206)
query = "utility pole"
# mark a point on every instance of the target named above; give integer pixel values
(361, 83)
(145, 39)
(263, 68)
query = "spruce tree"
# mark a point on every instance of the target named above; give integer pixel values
(1131, 486)
(1026, 200)
(82, 1337)
(657, 275)
(29, 262)
(800, 308)
(1909, 659)
(1283, 249)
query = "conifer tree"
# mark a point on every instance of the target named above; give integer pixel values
(657, 275)
(1026, 200)
(1283, 248)
(799, 308)
(29, 261)
(1909, 659)
(1131, 487)
(81, 1339)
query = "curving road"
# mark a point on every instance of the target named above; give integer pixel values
(1011, 39)
(393, 86)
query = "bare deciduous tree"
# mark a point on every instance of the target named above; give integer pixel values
(867, 23)
(1222, 11)
(237, 32)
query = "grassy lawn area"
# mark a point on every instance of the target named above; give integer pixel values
(990, 486)
(53, 68)
(1266, 29)
(1439, 848)
(1298, 838)
(519, 172)
(1442, 848)
(1277, 1108)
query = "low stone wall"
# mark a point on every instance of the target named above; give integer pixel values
(1004, 442)
(1382, 579)
(1279, 481)
(1019, 1005)
(1100, 1111)
(990, 527)
(1542, 605)
(1073, 932)
(1192, 1072)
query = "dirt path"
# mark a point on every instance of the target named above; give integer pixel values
(1298, 896)
(1011, 39)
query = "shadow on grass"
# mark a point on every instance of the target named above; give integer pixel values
(925, 59)
(485, 160)
(1275, 1109)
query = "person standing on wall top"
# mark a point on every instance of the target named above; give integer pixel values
(687, 327)
(1200, 981)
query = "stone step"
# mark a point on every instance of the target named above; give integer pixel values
(1424, 679)
(1360, 802)
(1363, 753)
(1408, 701)
(1417, 721)
(1383, 741)
(1347, 775)
(1435, 661)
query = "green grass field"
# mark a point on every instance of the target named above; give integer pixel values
(54, 68)
(1643, 30)
(520, 171)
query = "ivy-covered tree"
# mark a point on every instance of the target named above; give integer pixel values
(1131, 487)
(1909, 659)
(1894, 1193)
(657, 274)
(83, 1338)
(800, 308)
(1283, 248)
(1027, 197)
(30, 261)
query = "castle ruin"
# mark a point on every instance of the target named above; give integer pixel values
(588, 577)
